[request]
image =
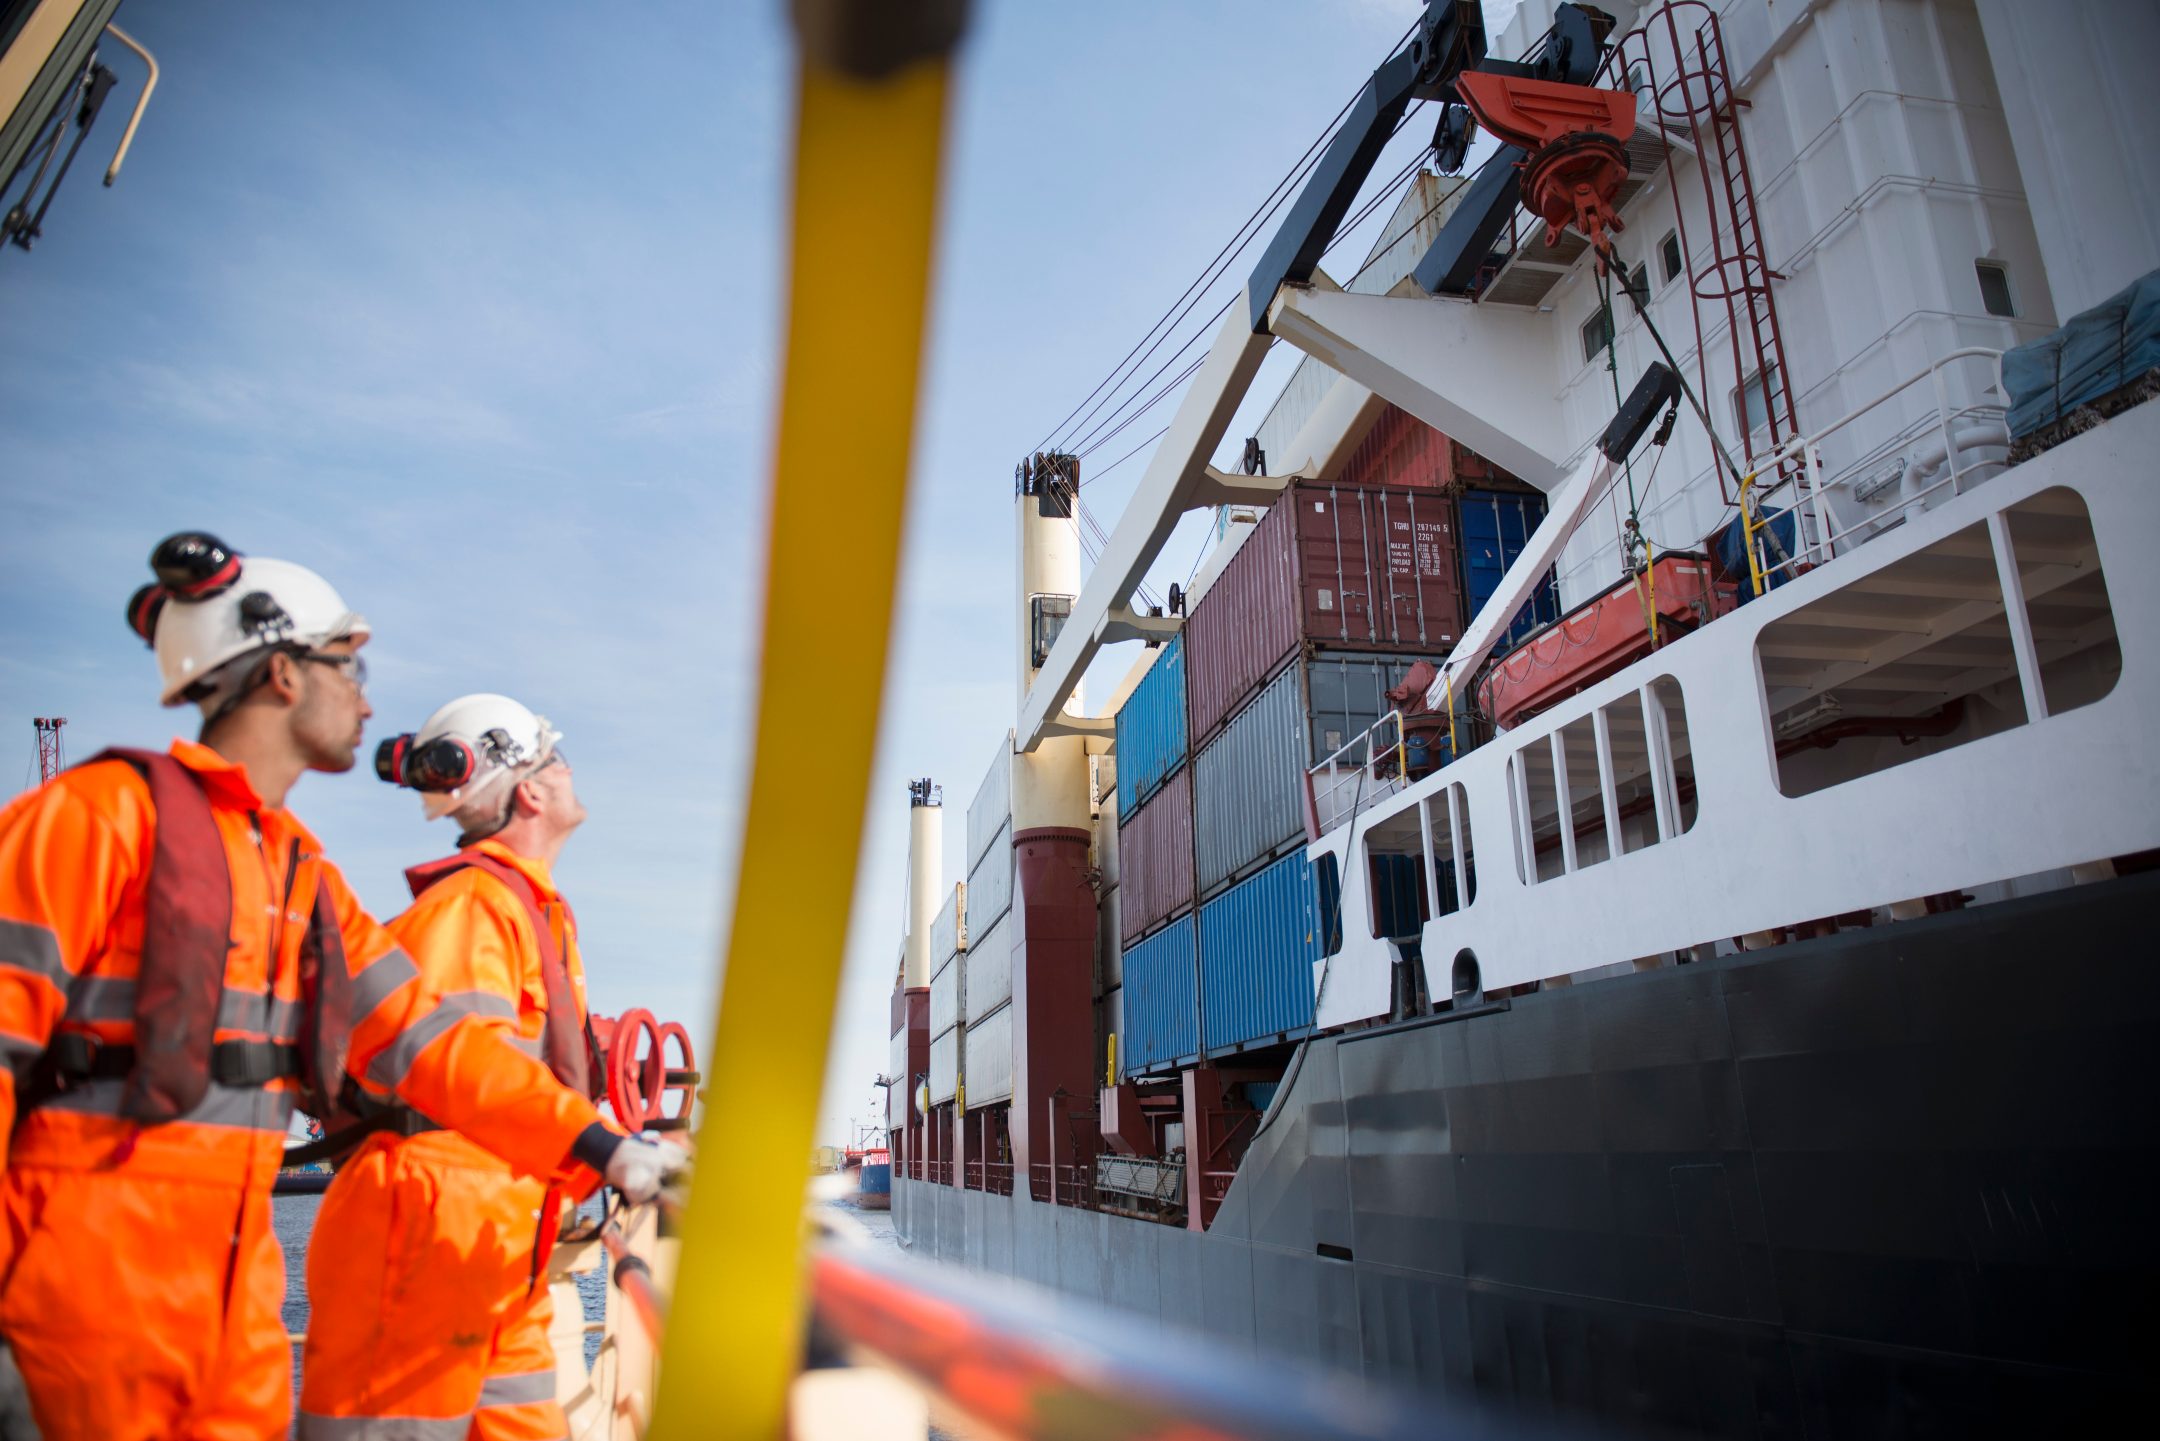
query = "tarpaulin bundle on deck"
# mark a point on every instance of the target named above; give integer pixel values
(2098, 351)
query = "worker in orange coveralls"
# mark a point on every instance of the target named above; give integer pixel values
(429, 1299)
(179, 965)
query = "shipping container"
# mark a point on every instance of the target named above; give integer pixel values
(1249, 781)
(1151, 728)
(945, 998)
(948, 933)
(1249, 785)
(990, 884)
(1155, 848)
(1160, 999)
(1494, 527)
(989, 1070)
(1340, 567)
(1400, 449)
(1345, 694)
(992, 806)
(1258, 942)
(944, 1067)
(900, 1095)
(990, 969)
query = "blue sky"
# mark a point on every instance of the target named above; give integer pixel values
(479, 317)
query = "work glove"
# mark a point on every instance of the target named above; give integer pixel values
(639, 1168)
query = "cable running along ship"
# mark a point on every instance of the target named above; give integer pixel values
(1615, 889)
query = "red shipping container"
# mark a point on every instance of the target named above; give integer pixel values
(1400, 449)
(1335, 565)
(1155, 859)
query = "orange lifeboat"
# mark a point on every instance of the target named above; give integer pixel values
(1604, 636)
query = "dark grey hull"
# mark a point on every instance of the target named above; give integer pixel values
(1894, 1182)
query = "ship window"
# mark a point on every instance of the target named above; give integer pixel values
(1919, 657)
(1669, 254)
(1596, 334)
(1454, 866)
(1647, 767)
(1637, 282)
(1995, 287)
(1327, 883)
(1585, 791)
(1395, 875)
(1751, 401)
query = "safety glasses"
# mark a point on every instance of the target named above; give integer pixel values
(352, 664)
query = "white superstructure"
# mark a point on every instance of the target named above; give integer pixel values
(1915, 188)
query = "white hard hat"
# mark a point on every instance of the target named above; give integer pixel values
(212, 606)
(466, 750)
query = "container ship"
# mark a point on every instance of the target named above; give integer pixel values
(1613, 890)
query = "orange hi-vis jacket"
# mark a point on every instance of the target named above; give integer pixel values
(139, 1281)
(428, 1240)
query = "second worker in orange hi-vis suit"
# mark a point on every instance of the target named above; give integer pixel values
(178, 966)
(429, 1310)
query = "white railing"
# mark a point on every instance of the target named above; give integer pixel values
(1372, 766)
(1796, 469)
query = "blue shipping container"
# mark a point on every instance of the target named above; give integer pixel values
(1495, 526)
(1161, 1023)
(1258, 942)
(1151, 729)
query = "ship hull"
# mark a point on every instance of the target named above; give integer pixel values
(1888, 1182)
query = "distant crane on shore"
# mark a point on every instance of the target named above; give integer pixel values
(49, 759)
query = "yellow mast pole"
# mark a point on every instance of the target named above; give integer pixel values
(870, 119)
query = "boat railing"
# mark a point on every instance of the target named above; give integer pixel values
(1973, 439)
(1033, 1364)
(1371, 767)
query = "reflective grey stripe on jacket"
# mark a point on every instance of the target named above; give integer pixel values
(249, 1108)
(112, 998)
(33, 948)
(520, 1390)
(388, 1070)
(378, 980)
(382, 1428)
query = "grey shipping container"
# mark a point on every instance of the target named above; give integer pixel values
(900, 1095)
(1249, 785)
(1346, 693)
(948, 933)
(1106, 851)
(990, 884)
(990, 969)
(945, 996)
(992, 806)
(1155, 851)
(944, 1067)
(989, 1070)
(1249, 782)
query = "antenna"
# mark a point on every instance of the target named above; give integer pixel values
(49, 759)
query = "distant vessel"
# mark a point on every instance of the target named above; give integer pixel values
(873, 1180)
(1724, 1009)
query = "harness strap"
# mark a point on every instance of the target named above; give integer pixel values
(567, 1043)
(74, 1057)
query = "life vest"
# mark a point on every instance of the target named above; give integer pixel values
(567, 1045)
(187, 932)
